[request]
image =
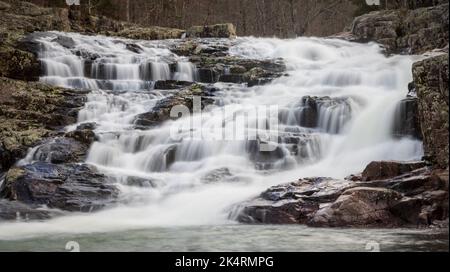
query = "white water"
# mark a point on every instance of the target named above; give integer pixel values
(353, 129)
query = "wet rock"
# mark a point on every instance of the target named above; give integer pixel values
(219, 175)
(265, 159)
(406, 120)
(64, 41)
(207, 75)
(389, 169)
(87, 126)
(83, 136)
(314, 112)
(431, 82)
(360, 207)
(171, 84)
(212, 31)
(13, 210)
(417, 197)
(293, 203)
(231, 69)
(161, 111)
(87, 56)
(69, 187)
(233, 78)
(139, 182)
(60, 150)
(135, 48)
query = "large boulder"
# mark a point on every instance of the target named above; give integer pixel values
(293, 203)
(60, 150)
(212, 31)
(232, 69)
(431, 82)
(69, 187)
(360, 207)
(380, 170)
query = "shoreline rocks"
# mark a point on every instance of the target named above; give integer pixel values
(387, 194)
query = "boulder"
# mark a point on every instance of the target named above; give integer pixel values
(431, 84)
(60, 150)
(171, 84)
(69, 187)
(65, 41)
(235, 70)
(161, 111)
(293, 203)
(135, 48)
(379, 170)
(360, 207)
(212, 31)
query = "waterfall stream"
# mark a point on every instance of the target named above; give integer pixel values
(336, 107)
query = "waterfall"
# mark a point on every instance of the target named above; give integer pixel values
(336, 105)
(186, 71)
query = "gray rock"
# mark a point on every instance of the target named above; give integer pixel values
(69, 187)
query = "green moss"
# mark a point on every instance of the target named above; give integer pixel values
(13, 174)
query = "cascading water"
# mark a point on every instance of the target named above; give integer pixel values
(336, 108)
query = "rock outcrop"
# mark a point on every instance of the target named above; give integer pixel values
(405, 31)
(431, 83)
(148, 33)
(387, 194)
(212, 31)
(31, 112)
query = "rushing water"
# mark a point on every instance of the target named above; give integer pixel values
(358, 89)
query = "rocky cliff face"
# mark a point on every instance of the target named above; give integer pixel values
(431, 84)
(405, 31)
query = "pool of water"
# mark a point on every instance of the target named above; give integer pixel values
(238, 238)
